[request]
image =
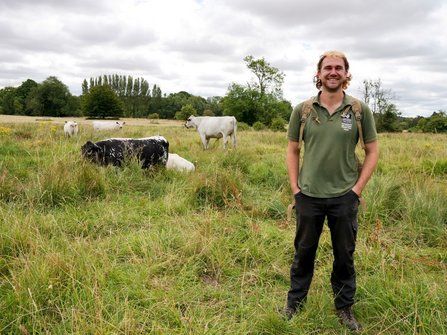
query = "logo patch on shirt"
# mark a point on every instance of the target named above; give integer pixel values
(346, 122)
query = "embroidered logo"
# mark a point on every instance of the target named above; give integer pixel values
(346, 122)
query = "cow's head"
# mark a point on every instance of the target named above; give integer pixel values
(189, 122)
(120, 124)
(91, 151)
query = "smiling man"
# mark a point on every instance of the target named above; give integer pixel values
(329, 184)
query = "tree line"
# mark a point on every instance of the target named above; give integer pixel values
(259, 102)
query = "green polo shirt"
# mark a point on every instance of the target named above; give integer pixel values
(329, 166)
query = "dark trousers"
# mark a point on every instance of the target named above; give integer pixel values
(341, 214)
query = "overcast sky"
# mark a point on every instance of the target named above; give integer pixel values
(198, 46)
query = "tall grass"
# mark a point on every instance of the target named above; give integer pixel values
(106, 250)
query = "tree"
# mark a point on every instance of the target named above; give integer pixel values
(102, 102)
(436, 123)
(186, 112)
(380, 101)
(213, 104)
(267, 76)
(51, 98)
(259, 100)
(7, 97)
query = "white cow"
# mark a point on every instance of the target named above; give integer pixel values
(179, 163)
(214, 127)
(71, 128)
(107, 125)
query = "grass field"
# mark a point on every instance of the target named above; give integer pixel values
(92, 250)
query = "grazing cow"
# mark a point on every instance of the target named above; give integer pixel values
(107, 125)
(150, 151)
(179, 163)
(214, 127)
(70, 128)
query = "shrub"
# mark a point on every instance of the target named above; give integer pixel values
(208, 112)
(278, 124)
(243, 126)
(258, 126)
(154, 116)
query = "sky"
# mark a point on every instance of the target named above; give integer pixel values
(199, 46)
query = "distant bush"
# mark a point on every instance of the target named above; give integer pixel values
(154, 116)
(208, 112)
(243, 126)
(278, 124)
(185, 113)
(259, 126)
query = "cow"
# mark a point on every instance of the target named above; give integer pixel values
(107, 125)
(70, 128)
(214, 127)
(179, 163)
(114, 151)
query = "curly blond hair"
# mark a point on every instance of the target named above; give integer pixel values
(334, 54)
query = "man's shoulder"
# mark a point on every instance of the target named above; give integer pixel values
(364, 106)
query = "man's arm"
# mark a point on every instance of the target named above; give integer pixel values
(370, 163)
(293, 165)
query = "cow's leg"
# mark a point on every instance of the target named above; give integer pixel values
(233, 140)
(204, 141)
(225, 140)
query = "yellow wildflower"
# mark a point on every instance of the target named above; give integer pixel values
(427, 145)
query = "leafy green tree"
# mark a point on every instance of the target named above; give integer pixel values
(157, 102)
(269, 78)
(186, 112)
(51, 98)
(259, 100)
(21, 95)
(102, 102)
(7, 98)
(84, 87)
(436, 123)
(214, 105)
(239, 102)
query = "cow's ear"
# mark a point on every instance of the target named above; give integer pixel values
(66, 121)
(124, 122)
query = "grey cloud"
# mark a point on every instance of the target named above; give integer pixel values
(82, 6)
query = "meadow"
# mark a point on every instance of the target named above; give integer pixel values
(116, 250)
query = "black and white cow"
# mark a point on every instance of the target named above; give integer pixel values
(150, 151)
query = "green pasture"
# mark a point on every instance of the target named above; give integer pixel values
(116, 250)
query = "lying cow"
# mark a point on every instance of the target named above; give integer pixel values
(150, 151)
(179, 163)
(70, 128)
(107, 125)
(214, 127)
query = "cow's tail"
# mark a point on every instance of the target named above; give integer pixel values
(234, 131)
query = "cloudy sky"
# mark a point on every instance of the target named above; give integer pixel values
(198, 46)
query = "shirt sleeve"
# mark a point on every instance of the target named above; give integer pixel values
(293, 130)
(368, 124)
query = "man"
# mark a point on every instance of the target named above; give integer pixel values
(328, 184)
